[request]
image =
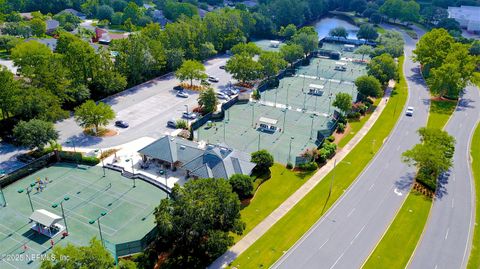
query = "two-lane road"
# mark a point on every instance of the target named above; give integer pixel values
(446, 242)
(347, 234)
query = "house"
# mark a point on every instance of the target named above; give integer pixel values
(103, 37)
(77, 13)
(52, 25)
(158, 17)
(26, 16)
(467, 16)
(197, 160)
(51, 43)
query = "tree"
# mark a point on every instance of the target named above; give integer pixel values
(308, 40)
(432, 157)
(208, 100)
(242, 185)
(432, 48)
(364, 49)
(93, 115)
(35, 133)
(343, 101)
(244, 68)
(288, 31)
(105, 12)
(410, 11)
(449, 24)
(92, 256)
(272, 62)
(369, 86)
(194, 225)
(8, 92)
(207, 50)
(291, 53)
(249, 48)
(191, 70)
(38, 26)
(29, 55)
(263, 159)
(367, 32)
(392, 9)
(390, 42)
(338, 32)
(475, 48)
(358, 6)
(383, 68)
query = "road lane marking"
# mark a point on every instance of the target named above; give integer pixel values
(337, 260)
(350, 213)
(453, 202)
(436, 265)
(371, 187)
(446, 235)
(397, 192)
(361, 230)
(323, 244)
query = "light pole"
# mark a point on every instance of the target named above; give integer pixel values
(72, 141)
(66, 198)
(311, 127)
(290, 149)
(3, 196)
(284, 119)
(304, 101)
(28, 190)
(329, 102)
(258, 140)
(253, 113)
(103, 164)
(276, 92)
(224, 131)
(288, 87)
(304, 77)
(318, 66)
(186, 108)
(331, 182)
(133, 172)
(99, 226)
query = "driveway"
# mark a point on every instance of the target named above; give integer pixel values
(146, 107)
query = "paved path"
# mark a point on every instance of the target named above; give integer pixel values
(350, 230)
(286, 206)
(447, 239)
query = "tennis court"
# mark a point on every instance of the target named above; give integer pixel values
(129, 211)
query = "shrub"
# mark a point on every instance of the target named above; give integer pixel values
(89, 160)
(289, 165)
(106, 153)
(354, 115)
(242, 185)
(331, 138)
(182, 124)
(310, 166)
(256, 95)
(327, 151)
(263, 159)
(341, 128)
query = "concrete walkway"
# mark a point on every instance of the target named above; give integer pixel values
(291, 201)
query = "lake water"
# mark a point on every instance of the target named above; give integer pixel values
(324, 25)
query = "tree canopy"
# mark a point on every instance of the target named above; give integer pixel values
(191, 70)
(383, 68)
(242, 185)
(244, 68)
(90, 114)
(367, 32)
(263, 159)
(272, 62)
(343, 101)
(208, 100)
(369, 86)
(338, 32)
(35, 133)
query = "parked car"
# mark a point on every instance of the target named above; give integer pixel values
(205, 83)
(121, 124)
(222, 67)
(182, 94)
(178, 88)
(213, 79)
(172, 123)
(189, 115)
(222, 96)
(409, 111)
(229, 91)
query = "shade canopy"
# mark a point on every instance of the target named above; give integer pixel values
(45, 217)
(268, 121)
(315, 86)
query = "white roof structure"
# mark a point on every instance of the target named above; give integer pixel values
(268, 121)
(349, 46)
(467, 16)
(45, 217)
(316, 86)
(340, 63)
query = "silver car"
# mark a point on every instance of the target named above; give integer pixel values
(409, 111)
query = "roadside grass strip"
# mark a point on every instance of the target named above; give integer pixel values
(288, 230)
(474, 260)
(440, 112)
(270, 195)
(400, 240)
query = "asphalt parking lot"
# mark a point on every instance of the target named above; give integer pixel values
(146, 107)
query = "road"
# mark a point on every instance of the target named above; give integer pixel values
(350, 230)
(146, 107)
(446, 241)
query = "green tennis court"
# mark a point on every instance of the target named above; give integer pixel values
(129, 211)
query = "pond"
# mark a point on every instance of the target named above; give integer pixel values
(324, 25)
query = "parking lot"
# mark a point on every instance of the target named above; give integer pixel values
(146, 108)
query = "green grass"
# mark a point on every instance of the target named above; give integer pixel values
(267, 249)
(271, 194)
(440, 112)
(474, 260)
(398, 244)
(355, 126)
(476, 76)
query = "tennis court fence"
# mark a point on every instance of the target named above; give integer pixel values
(28, 169)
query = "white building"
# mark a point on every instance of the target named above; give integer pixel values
(467, 16)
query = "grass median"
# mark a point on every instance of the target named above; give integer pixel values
(403, 234)
(440, 112)
(268, 248)
(474, 260)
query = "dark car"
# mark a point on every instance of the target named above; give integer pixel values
(121, 123)
(178, 88)
(222, 67)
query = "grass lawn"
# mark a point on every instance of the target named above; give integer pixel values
(267, 249)
(355, 126)
(474, 261)
(271, 194)
(440, 112)
(398, 244)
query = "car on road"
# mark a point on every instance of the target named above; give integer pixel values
(189, 115)
(409, 111)
(178, 88)
(222, 67)
(222, 96)
(213, 79)
(182, 94)
(121, 124)
(172, 123)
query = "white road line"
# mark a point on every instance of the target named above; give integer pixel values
(371, 187)
(446, 235)
(361, 230)
(436, 265)
(323, 244)
(398, 148)
(350, 213)
(337, 260)
(453, 202)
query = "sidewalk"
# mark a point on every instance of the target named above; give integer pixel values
(287, 205)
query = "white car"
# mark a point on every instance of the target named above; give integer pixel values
(222, 96)
(189, 116)
(213, 79)
(409, 111)
(182, 94)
